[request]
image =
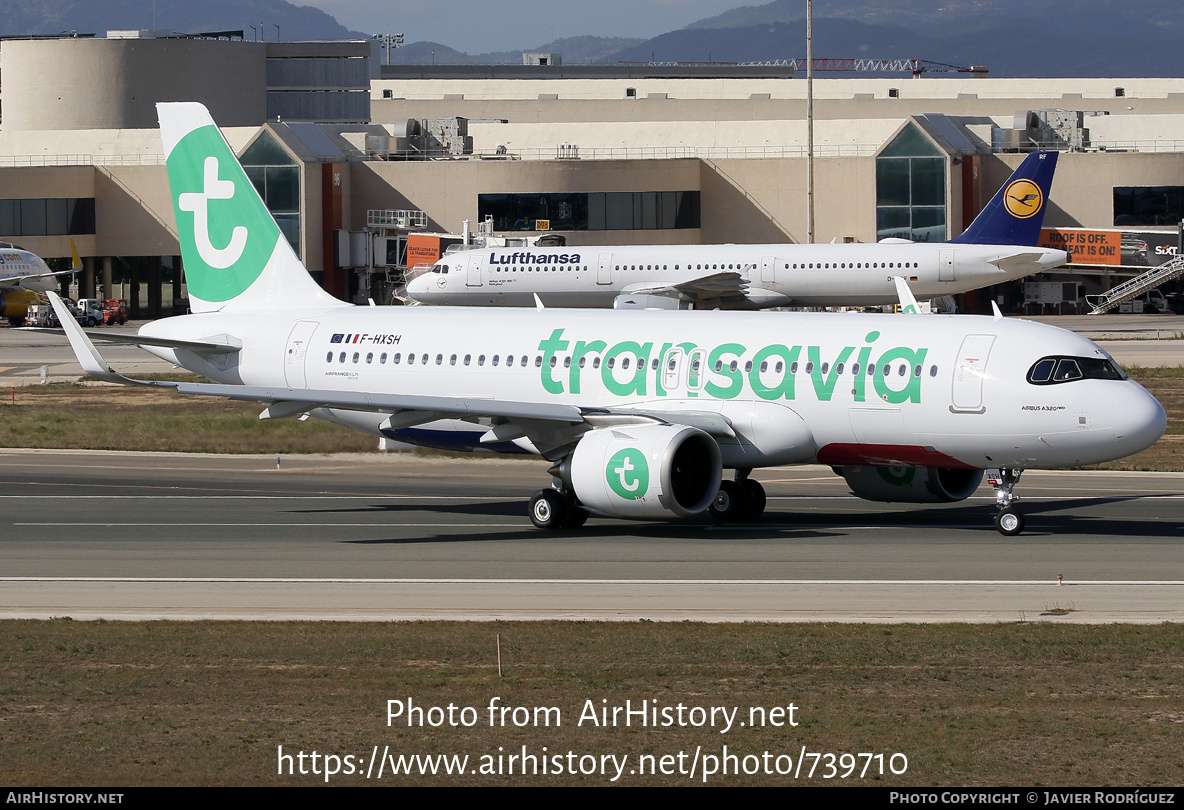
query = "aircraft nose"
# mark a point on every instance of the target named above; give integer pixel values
(1140, 422)
(418, 285)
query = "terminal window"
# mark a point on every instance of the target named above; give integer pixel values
(1148, 205)
(61, 216)
(911, 189)
(276, 177)
(592, 211)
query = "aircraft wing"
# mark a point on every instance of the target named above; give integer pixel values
(548, 425)
(34, 276)
(195, 346)
(715, 285)
(453, 407)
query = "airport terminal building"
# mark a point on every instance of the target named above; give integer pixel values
(352, 157)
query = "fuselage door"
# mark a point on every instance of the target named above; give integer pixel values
(696, 371)
(970, 369)
(945, 266)
(604, 269)
(672, 369)
(473, 273)
(296, 352)
(768, 271)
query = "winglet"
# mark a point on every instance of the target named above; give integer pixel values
(88, 356)
(77, 263)
(538, 302)
(995, 309)
(908, 303)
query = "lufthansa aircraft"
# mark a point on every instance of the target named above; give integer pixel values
(1000, 245)
(22, 276)
(638, 413)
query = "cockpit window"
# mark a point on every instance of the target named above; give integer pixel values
(1067, 369)
(1054, 370)
(1042, 371)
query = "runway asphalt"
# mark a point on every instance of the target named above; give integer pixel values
(118, 536)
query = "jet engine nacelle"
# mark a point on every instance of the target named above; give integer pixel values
(911, 484)
(15, 304)
(644, 471)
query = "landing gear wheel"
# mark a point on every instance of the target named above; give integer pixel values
(1009, 522)
(729, 502)
(548, 509)
(754, 496)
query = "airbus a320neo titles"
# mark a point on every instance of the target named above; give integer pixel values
(1000, 245)
(638, 413)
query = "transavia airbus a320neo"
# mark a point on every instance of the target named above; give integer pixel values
(638, 413)
(1000, 245)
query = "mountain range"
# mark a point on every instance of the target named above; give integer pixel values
(1014, 38)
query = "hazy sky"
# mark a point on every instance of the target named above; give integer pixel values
(479, 26)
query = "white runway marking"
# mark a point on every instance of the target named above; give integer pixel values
(944, 583)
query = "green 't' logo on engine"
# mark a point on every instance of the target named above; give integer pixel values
(897, 474)
(627, 474)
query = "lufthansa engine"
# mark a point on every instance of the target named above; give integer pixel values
(911, 484)
(644, 471)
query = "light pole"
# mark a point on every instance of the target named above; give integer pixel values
(810, 122)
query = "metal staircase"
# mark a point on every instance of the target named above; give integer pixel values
(1136, 286)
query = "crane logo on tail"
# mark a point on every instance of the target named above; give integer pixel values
(1023, 199)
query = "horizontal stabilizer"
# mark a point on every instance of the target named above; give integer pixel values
(1016, 260)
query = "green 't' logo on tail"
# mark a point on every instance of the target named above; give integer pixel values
(227, 235)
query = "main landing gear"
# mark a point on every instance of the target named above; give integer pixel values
(551, 509)
(1008, 520)
(742, 499)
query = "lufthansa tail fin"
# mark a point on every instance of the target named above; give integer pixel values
(1014, 215)
(235, 256)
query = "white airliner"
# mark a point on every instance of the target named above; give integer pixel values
(22, 276)
(637, 412)
(1000, 245)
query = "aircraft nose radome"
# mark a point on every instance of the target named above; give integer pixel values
(1140, 422)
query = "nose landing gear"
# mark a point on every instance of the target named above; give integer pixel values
(1009, 521)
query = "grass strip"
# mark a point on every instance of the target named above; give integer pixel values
(180, 703)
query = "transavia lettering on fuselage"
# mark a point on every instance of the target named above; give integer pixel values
(723, 371)
(534, 258)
